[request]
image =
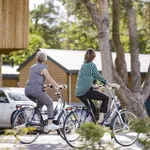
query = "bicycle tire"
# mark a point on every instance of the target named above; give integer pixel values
(123, 131)
(72, 122)
(24, 132)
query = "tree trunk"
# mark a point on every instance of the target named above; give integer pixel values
(104, 40)
(133, 101)
(101, 19)
(134, 47)
(120, 59)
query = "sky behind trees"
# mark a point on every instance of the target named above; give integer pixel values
(35, 3)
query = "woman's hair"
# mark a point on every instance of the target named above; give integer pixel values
(89, 55)
(41, 56)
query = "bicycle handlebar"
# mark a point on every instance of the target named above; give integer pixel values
(113, 86)
(50, 86)
(64, 86)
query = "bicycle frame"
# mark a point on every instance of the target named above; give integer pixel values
(113, 109)
(60, 105)
(114, 105)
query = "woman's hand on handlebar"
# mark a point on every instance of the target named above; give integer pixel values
(98, 87)
(46, 86)
(95, 86)
(113, 85)
(109, 85)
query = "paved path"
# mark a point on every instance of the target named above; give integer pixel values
(52, 142)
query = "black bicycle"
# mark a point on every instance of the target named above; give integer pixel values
(28, 122)
(119, 120)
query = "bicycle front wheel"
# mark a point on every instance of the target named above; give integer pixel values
(24, 130)
(60, 122)
(71, 125)
(123, 128)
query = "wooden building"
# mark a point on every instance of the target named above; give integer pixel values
(14, 27)
(10, 76)
(64, 66)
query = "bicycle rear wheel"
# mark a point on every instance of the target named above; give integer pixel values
(123, 128)
(24, 130)
(71, 125)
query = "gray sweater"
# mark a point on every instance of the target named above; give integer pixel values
(35, 80)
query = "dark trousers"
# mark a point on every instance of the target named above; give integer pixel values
(95, 95)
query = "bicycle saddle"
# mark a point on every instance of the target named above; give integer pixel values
(32, 98)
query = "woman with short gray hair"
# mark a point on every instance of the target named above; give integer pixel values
(34, 87)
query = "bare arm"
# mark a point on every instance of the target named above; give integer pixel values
(49, 78)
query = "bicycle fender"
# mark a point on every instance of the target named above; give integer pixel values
(16, 113)
(111, 124)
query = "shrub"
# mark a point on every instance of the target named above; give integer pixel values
(142, 126)
(92, 133)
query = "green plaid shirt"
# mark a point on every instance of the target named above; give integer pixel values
(87, 74)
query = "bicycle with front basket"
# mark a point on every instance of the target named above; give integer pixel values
(27, 128)
(119, 120)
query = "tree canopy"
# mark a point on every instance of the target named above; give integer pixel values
(76, 30)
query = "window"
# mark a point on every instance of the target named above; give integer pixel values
(3, 98)
(17, 95)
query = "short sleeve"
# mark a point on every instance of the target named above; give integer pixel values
(43, 66)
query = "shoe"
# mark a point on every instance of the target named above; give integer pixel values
(51, 127)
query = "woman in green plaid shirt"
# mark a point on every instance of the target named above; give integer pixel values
(85, 87)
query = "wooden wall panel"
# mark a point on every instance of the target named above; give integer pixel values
(24, 72)
(14, 25)
(74, 99)
(59, 76)
(10, 83)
